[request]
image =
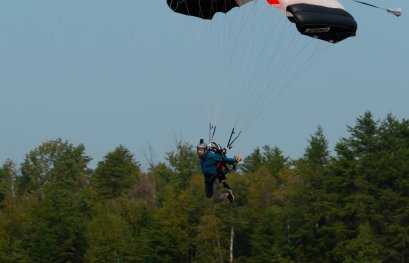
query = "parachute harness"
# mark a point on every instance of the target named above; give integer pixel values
(223, 169)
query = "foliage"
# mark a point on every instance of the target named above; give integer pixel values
(184, 164)
(348, 207)
(116, 174)
(272, 158)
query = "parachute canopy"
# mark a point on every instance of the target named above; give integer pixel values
(321, 19)
(205, 9)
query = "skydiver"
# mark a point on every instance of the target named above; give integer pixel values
(210, 163)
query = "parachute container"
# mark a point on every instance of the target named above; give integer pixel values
(321, 19)
(204, 9)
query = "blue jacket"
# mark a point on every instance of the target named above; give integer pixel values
(209, 161)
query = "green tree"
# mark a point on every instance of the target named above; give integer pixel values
(8, 177)
(178, 217)
(209, 239)
(252, 162)
(272, 158)
(12, 216)
(365, 248)
(317, 152)
(55, 174)
(116, 174)
(54, 162)
(109, 238)
(161, 176)
(185, 163)
(311, 202)
(392, 180)
(368, 174)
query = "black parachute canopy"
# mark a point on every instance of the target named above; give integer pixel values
(204, 9)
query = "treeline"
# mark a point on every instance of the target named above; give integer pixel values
(349, 206)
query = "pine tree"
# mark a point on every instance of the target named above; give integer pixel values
(272, 158)
(368, 174)
(312, 203)
(252, 162)
(116, 174)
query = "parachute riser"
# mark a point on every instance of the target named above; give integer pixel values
(235, 138)
(232, 138)
(212, 131)
(230, 142)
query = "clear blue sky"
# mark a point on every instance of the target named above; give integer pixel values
(105, 73)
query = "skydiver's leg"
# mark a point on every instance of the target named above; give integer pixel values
(217, 195)
(223, 181)
(226, 185)
(208, 189)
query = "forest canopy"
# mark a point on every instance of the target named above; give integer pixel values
(349, 206)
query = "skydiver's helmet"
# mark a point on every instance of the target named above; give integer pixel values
(215, 147)
(202, 145)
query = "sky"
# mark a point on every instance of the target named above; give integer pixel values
(134, 73)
